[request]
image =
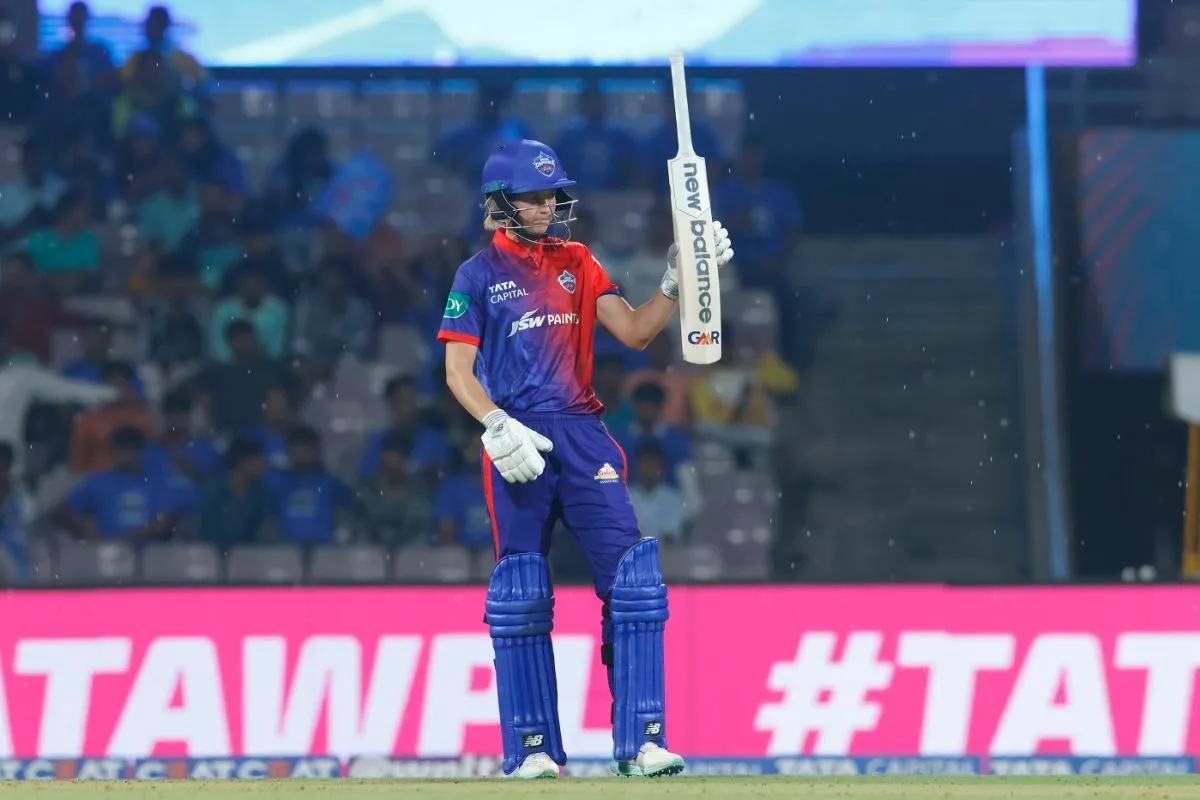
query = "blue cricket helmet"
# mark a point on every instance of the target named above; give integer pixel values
(523, 166)
(526, 166)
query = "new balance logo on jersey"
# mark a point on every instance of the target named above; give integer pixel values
(532, 319)
(505, 290)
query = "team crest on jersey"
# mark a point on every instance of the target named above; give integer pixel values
(545, 164)
(567, 281)
(606, 474)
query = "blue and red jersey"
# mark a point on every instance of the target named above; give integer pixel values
(531, 311)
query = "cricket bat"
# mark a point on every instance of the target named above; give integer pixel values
(691, 215)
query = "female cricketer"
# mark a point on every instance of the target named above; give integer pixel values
(519, 328)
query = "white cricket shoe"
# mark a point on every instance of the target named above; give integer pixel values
(536, 766)
(652, 762)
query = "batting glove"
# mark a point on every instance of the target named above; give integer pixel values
(514, 449)
(670, 279)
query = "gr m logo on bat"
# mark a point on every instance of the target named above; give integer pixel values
(704, 337)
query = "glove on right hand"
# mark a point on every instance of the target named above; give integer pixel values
(514, 449)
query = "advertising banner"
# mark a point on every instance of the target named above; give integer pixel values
(752, 673)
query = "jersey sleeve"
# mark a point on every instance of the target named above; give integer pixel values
(599, 279)
(463, 317)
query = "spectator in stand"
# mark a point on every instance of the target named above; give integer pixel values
(96, 343)
(179, 447)
(667, 372)
(67, 252)
(218, 239)
(88, 59)
(151, 91)
(660, 507)
(648, 426)
(238, 507)
(82, 78)
(169, 216)
(182, 70)
(462, 510)
(138, 154)
(430, 448)
(172, 316)
(123, 501)
(252, 301)
(208, 160)
(92, 435)
(330, 322)
(396, 504)
(279, 419)
(465, 148)
(22, 383)
(29, 202)
(22, 85)
(32, 312)
(308, 499)
(16, 516)
(601, 155)
(608, 374)
(233, 392)
(298, 179)
(78, 162)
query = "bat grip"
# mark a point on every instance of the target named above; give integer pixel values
(683, 118)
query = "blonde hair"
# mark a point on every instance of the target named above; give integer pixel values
(490, 221)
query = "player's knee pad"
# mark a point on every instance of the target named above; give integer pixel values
(639, 614)
(520, 613)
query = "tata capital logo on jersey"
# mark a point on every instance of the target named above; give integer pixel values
(505, 290)
(704, 337)
(532, 319)
(544, 164)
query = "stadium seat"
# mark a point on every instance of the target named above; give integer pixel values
(245, 100)
(102, 564)
(324, 104)
(691, 562)
(266, 563)
(422, 563)
(454, 104)
(41, 560)
(387, 104)
(349, 564)
(484, 562)
(177, 563)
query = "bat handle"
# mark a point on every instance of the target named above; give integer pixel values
(683, 118)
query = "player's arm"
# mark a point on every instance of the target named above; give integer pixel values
(634, 327)
(460, 378)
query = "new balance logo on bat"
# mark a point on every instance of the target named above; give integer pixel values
(532, 319)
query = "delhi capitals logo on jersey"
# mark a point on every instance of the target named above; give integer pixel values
(544, 164)
(567, 281)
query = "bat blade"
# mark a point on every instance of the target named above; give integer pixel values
(691, 217)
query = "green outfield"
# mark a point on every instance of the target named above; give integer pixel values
(709, 788)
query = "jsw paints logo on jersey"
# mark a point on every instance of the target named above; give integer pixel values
(532, 319)
(505, 290)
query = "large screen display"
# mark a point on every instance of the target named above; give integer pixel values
(753, 673)
(632, 32)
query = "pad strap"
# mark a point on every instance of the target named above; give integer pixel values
(639, 613)
(520, 613)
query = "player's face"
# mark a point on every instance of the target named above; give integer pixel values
(535, 210)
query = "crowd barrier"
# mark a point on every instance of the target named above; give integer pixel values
(760, 678)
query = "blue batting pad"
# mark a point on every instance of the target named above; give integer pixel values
(639, 614)
(520, 611)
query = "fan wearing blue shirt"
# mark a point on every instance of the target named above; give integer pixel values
(95, 342)
(603, 156)
(279, 417)
(308, 499)
(178, 448)
(125, 502)
(461, 507)
(647, 426)
(464, 149)
(430, 448)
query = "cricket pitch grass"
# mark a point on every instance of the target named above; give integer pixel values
(703, 788)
